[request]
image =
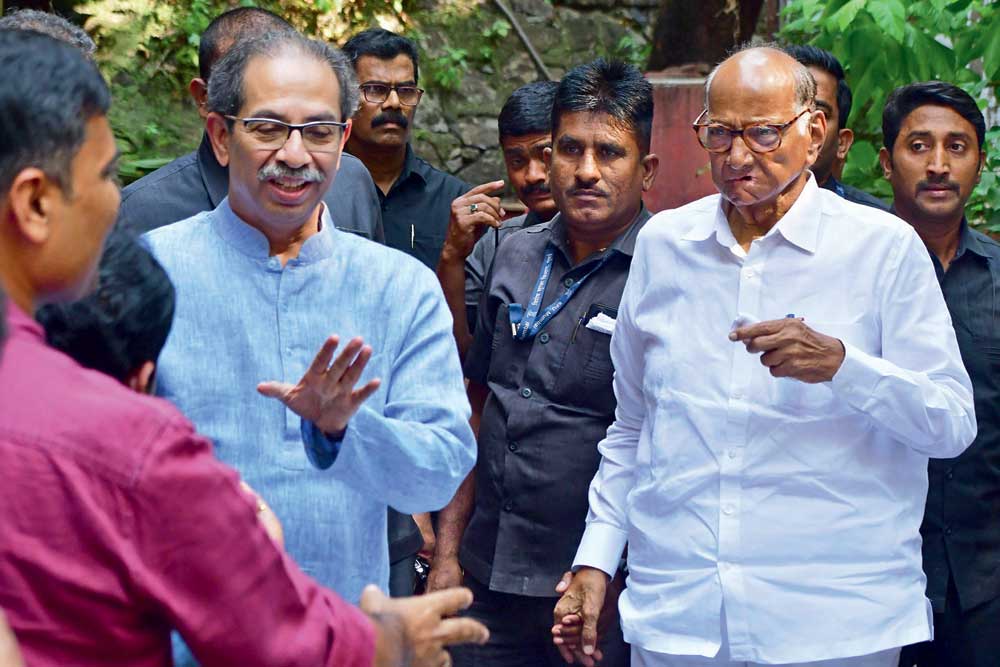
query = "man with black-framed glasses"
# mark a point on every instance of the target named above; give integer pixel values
(784, 367)
(265, 280)
(416, 198)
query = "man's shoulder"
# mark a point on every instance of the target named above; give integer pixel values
(452, 184)
(674, 223)
(171, 193)
(186, 235)
(859, 196)
(91, 419)
(989, 244)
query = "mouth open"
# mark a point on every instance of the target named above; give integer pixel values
(289, 191)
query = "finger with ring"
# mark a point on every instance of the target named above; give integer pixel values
(473, 208)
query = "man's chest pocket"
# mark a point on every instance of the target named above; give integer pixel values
(596, 372)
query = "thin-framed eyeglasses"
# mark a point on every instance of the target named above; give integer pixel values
(760, 138)
(320, 136)
(377, 93)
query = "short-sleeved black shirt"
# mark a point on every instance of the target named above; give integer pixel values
(961, 528)
(416, 211)
(853, 194)
(550, 404)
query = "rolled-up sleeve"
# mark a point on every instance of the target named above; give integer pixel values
(918, 388)
(606, 534)
(204, 560)
(414, 452)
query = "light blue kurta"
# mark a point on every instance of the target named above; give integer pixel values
(241, 319)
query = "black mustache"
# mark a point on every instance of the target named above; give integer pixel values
(535, 189)
(926, 185)
(387, 117)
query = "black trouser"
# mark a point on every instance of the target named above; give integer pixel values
(521, 633)
(969, 638)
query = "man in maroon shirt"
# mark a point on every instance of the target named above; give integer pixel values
(116, 522)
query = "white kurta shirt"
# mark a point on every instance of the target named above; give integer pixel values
(793, 508)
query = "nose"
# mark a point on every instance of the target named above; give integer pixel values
(293, 153)
(938, 163)
(536, 172)
(587, 172)
(392, 100)
(739, 157)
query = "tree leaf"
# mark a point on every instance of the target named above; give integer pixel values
(843, 17)
(890, 15)
(991, 52)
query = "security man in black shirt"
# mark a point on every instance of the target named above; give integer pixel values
(540, 373)
(933, 156)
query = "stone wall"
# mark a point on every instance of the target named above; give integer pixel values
(456, 130)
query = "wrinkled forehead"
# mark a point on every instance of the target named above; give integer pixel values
(757, 84)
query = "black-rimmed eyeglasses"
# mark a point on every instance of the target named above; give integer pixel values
(377, 93)
(320, 136)
(760, 138)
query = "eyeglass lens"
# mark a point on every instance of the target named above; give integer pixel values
(719, 138)
(273, 135)
(376, 93)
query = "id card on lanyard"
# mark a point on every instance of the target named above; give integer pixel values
(526, 322)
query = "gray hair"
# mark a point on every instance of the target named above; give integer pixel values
(52, 25)
(225, 88)
(805, 84)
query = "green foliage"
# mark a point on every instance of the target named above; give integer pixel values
(884, 44)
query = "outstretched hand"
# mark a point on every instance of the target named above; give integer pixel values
(326, 395)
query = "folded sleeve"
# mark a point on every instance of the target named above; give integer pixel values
(413, 453)
(918, 388)
(205, 562)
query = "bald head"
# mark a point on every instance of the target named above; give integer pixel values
(764, 71)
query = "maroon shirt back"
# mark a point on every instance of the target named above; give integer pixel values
(118, 524)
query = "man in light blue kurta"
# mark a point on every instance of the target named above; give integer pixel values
(242, 318)
(258, 293)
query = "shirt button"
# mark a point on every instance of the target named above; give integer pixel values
(737, 394)
(568, 282)
(508, 506)
(727, 510)
(947, 530)
(544, 338)
(749, 273)
(951, 473)
(526, 393)
(733, 453)
(512, 446)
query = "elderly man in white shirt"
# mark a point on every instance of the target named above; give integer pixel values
(785, 365)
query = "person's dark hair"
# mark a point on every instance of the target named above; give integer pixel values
(225, 89)
(528, 110)
(233, 27)
(812, 56)
(905, 99)
(52, 25)
(383, 45)
(50, 90)
(125, 322)
(611, 87)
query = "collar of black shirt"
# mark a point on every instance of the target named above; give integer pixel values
(624, 244)
(213, 174)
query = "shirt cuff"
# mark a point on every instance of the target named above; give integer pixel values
(601, 547)
(320, 450)
(857, 378)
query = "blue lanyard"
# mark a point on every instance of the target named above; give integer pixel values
(527, 322)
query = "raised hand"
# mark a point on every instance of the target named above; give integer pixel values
(471, 213)
(326, 395)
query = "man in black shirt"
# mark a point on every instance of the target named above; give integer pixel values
(197, 182)
(833, 98)
(415, 197)
(540, 373)
(933, 156)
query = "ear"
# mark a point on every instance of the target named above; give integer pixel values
(817, 135)
(33, 199)
(650, 164)
(845, 139)
(547, 157)
(219, 135)
(343, 141)
(982, 163)
(885, 159)
(141, 379)
(198, 89)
